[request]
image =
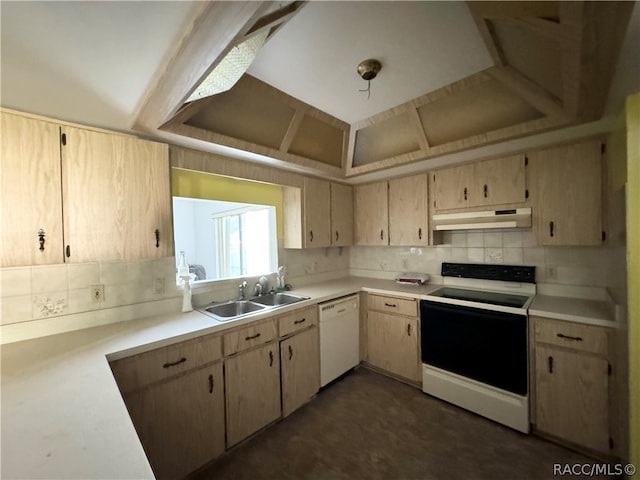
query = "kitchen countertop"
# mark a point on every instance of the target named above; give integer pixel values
(62, 413)
(592, 312)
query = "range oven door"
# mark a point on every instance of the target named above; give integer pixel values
(483, 345)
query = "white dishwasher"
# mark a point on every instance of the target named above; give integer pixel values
(339, 337)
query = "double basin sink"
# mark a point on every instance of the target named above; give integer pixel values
(233, 309)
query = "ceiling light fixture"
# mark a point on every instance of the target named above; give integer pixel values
(368, 69)
(235, 63)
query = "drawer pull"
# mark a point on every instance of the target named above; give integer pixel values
(210, 383)
(296, 322)
(420, 233)
(270, 358)
(409, 329)
(568, 337)
(290, 352)
(173, 364)
(157, 234)
(251, 337)
(550, 363)
(392, 305)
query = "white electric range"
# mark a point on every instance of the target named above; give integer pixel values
(474, 337)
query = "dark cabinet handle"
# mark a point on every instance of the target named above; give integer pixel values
(296, 322)
(465, 193)
(486, 190)
(337, 236)
(157, 232)
(420, 233)
(311, 235)
(173, 364)
(270, 358)
(551, 229)
(568, 337)
(41, 236)
(408, 329)
(68, 251)
(290, 352)
(381, 234)
(550, 362)
(392, 305)
(210, 383)
(251, 337)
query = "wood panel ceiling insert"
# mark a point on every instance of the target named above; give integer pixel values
(554, 62)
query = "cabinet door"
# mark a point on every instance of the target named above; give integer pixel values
(31, 198)
(500, 181)
(341, 215)
(453, 187)
(252, 382)
(372, 214)
(181, 422)
(317, 211)
(571, 396)
(116, 195)
(566, 183)
(408, 217)
(392, 344)
(300, 360)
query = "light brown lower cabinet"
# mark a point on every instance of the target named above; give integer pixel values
(252, 385)
(180, 422)
(392, 344)
(300, 366)
(572, 383)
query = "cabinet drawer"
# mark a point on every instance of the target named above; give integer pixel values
(400, 306)
(138, 371)
(248, 337)
(585, 338)
(298, 320)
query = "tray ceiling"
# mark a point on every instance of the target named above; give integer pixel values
(423, 46)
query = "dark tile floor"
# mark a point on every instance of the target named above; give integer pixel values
(368, 426)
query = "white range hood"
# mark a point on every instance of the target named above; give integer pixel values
(512, 218)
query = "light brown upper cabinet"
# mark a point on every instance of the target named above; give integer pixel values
(116, 196)
(76, 195)
(408, 217)
(341, 215)
(393, 212)
(371, 206)
(499, 181)
(31, 197)
(567, 194)
(318, 215)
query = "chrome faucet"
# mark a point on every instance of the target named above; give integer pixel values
(241, 289)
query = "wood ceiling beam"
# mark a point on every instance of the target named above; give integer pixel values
(213, 30)
(294, 125)
(530, 92)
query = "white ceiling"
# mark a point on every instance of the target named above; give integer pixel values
(91, 62)
(87, 62)
(422, 46)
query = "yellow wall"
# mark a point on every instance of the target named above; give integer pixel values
(633, 246)
(187, 183)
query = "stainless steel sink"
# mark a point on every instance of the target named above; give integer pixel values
(231, 310)
(277, 299)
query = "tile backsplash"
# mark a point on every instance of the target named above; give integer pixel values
(64, 292)
(579, 266)
(29, 293)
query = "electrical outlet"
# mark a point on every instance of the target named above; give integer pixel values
(551, 272)
(158, 285)
(97, 293)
